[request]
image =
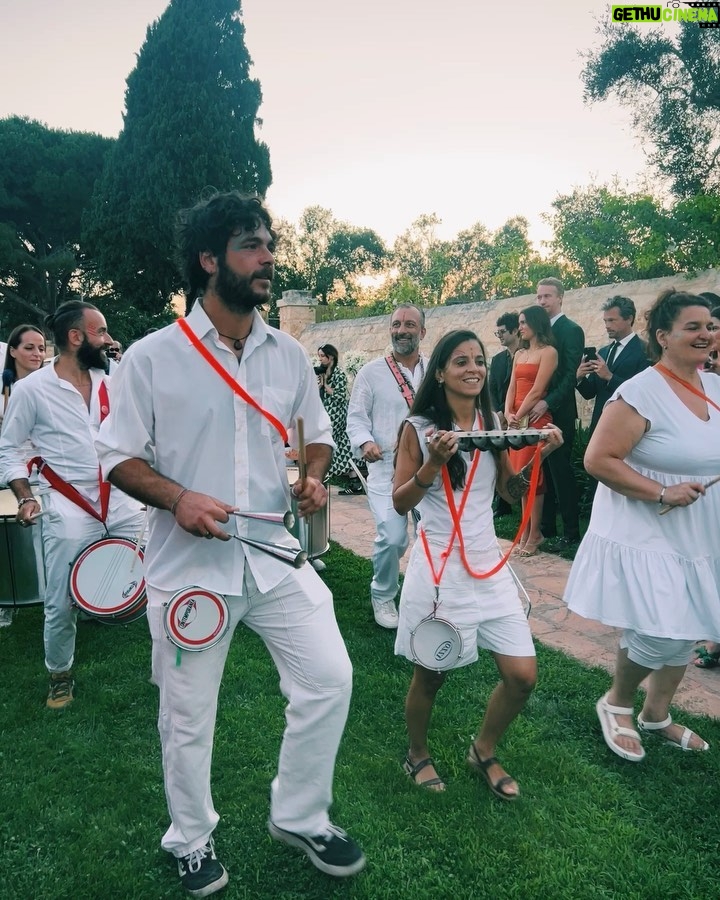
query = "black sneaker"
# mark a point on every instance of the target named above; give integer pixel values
(333, 852)
(200, 872)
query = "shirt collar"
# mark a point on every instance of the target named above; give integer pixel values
(200, 323)
(626, 340)
(555, 318)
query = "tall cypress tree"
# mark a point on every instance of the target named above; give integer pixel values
(191, 112)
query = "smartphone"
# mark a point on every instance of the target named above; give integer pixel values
(589, 353)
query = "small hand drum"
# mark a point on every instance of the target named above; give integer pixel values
(196, 619)
(436, 644)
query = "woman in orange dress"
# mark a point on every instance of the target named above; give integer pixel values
(533, 367)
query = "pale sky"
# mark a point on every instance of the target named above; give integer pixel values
(380, 110)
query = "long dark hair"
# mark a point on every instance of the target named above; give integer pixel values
(9, 375)
(332, 352)
(431, 402)
(539, 321)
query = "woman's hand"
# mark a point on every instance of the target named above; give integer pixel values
(683, 494)
(441, 446)
(553, 441)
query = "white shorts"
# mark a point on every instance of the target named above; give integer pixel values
(656, 652)
(488, 612)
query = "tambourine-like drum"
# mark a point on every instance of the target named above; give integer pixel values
(312, 532)
(196, 619)
(22, 576)
(107, 581)
(436, 644)
(513, 438)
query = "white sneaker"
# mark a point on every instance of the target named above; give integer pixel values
(6, 617)
(386, 614)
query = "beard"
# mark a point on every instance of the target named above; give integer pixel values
(236, 291)
(90, 357)
(405, 345)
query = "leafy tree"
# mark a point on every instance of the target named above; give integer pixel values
(672, 87)
(46, 181)
(326, 256)
(191, 113)
(421, 257)
(607, 234)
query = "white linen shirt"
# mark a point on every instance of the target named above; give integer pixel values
(52, 413)
(171, 409)
(377, 407)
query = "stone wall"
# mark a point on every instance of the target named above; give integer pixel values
(371, 335)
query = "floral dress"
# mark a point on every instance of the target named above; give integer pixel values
(336, 405)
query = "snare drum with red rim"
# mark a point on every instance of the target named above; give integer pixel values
(436, 644)
(107, 581)
(196, 619)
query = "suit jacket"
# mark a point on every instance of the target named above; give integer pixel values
(632, 360)
(499, 379)
(569, 343)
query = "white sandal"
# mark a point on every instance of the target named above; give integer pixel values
(611, 730)
(687, 735)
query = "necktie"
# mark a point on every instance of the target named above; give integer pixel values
(612, 354)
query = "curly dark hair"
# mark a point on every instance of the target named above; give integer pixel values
(431, 403)
(663, 313)
(207, 226)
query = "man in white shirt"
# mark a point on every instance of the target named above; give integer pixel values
(380, 400)
(201, 413)
(59, 409)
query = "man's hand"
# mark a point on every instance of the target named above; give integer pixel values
(310, 495)
(371, 452)
(600, 369)
(199, 514)
(538, 410)
(27, 513)
(586, 367)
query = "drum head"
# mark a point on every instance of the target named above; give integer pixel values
(196, 619)
(106, 579)
(436, 644)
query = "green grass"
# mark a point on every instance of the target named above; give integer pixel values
(84, 809)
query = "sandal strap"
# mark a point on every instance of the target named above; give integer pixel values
(616, 710)
(653, 726)
(414, 770)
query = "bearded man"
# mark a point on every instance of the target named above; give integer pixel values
(201, 414)
(59, 409)
(381, 397)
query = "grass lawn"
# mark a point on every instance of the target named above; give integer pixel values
(84, 808)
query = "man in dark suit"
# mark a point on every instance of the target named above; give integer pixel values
(499, 379)
(616, 362)
(562, 492)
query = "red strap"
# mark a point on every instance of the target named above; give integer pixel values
(68, 491)
(686, 384)
(104, 401)
(237, 388)
(406, 389)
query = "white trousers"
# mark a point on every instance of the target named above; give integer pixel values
(296, 621)
(392, 538)
(66, 532)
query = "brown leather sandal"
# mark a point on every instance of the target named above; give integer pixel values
(436, 784)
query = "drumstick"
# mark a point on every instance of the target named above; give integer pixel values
(136, 555)
(666, 509)
(302, 461)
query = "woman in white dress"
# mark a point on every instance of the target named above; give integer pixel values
(486, 611)
(655, 576)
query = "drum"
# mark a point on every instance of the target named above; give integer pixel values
(436, 644)
(22, 574)
(196, 619)
(107, 581)
(313, 533)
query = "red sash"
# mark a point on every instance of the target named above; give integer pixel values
(228, 379)
(67, 490)
(406, 389)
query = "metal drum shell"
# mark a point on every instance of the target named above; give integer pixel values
(312, 532)
(22, 573)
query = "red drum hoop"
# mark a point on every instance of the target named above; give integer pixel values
(196, 619)
(436, 644)
(107, 581)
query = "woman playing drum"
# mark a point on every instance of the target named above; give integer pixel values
(434, 474)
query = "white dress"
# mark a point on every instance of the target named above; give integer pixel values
(658, 575)
(465, 601)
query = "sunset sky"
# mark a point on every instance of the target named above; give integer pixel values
(380, 110)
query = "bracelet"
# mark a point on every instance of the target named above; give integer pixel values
(173, 505)
(422, 484)
(662, 494)
(25, 500)
(521, 473)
